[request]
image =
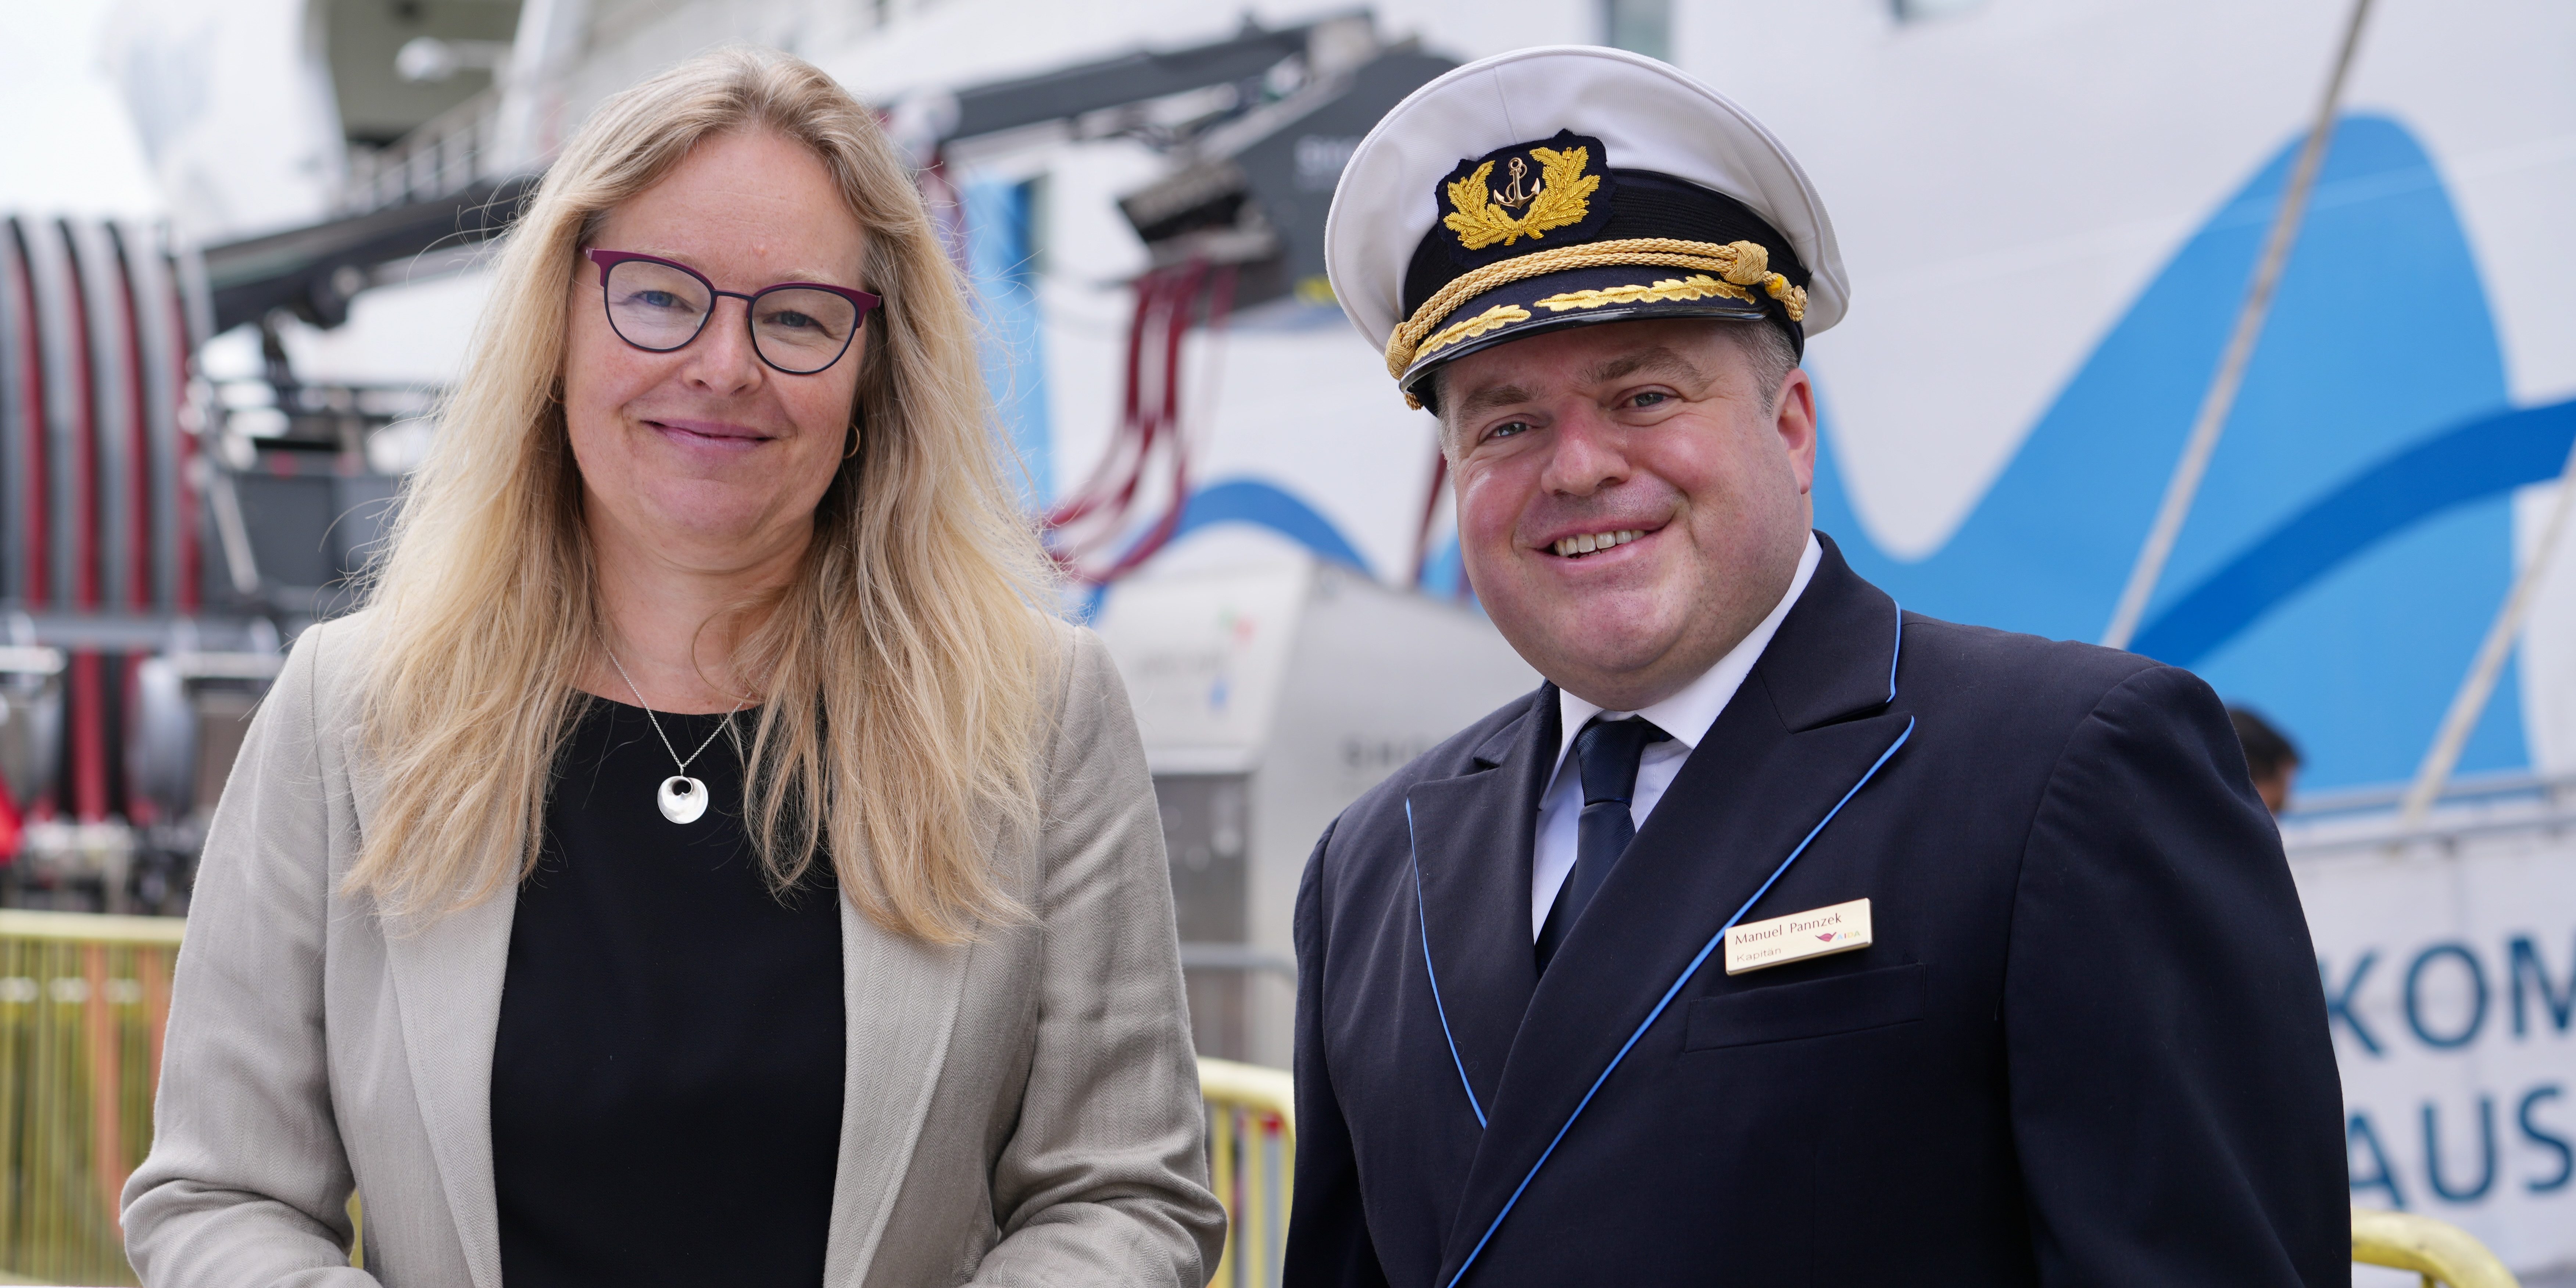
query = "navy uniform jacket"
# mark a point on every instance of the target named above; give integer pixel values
(2088, 1045)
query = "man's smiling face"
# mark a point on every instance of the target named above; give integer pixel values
(1632, 497)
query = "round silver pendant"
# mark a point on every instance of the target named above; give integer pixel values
(682, 798)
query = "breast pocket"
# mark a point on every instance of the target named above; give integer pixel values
(1818, 1008)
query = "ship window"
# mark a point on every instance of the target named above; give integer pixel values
(1639, 26)
(1920, 10)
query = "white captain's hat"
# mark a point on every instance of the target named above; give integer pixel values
(1568, 185)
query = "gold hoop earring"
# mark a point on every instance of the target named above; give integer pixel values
(853, 448)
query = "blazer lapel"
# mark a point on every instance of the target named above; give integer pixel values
(899, 1003)
(899, 1000)
(1811, 722)
(447, 975)
(447, 980)
(1472, 837)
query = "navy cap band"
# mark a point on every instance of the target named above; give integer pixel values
(1654, 196)
(1668, 248)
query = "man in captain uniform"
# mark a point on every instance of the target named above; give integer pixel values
(1782, 936)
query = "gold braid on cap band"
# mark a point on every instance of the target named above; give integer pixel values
(1741, 263)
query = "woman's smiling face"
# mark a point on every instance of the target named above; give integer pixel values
(705, 455)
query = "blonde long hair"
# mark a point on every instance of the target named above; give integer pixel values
(909, 664)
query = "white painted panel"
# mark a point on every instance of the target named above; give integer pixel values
(1203, 655)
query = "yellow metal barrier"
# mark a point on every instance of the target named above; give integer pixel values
(83, 1000)
(1252, 1142)
(2443, 1253)
(1252, 1157)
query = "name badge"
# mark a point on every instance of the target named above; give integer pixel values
(1819, 932)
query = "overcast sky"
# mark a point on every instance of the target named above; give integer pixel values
(66, 145)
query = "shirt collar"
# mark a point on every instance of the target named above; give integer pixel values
(1687, 715)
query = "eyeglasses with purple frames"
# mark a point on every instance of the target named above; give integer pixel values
(799, 328)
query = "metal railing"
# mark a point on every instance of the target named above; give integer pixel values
(1252, 1159)
(83, 1000)
(1252, 1143)
(2441, 1252)
(447, 154)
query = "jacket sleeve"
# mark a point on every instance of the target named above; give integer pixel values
(2175, 1102)
(1328, 1236)
(247, 1183)
(1105, 1179)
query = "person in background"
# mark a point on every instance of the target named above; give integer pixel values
(701, 862)
(2271, 759)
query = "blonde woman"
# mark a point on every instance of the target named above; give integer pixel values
(701, 863)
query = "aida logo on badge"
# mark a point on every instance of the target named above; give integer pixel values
(1819, 932)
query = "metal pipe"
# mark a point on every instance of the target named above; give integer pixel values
(2471, 700)
(2221, 397)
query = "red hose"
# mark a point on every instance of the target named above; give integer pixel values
(88, 707)
(188, 572)
(1081, 501)
(1220, 305)
(138, 473)
(85, 437)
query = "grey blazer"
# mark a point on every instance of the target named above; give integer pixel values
(1021, 1110)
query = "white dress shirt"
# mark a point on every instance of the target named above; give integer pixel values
(1686, 715)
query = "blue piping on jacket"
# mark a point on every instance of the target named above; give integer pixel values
(1669, 993)
(1895, 652)
(1424, 921)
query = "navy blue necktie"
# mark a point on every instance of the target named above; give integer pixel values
(1606, 752)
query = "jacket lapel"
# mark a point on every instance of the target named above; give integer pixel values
(447, 975)
(447, 980)
(1472, 837)
(1810, 722)
(899, 1008)
(899, 1001)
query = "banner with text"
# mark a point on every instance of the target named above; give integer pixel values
(2450, 980)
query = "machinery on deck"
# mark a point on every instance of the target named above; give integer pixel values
(160, 536)
(163, 533)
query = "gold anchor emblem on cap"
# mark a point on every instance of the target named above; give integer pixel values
(1513, 196)
(1482, 216)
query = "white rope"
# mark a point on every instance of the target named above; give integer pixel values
(2221, 397)
(2471, 701)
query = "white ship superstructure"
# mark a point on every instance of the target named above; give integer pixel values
(2050, 212)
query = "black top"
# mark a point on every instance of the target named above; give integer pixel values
(666, 1087)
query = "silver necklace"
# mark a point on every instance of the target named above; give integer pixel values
(683, 799)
